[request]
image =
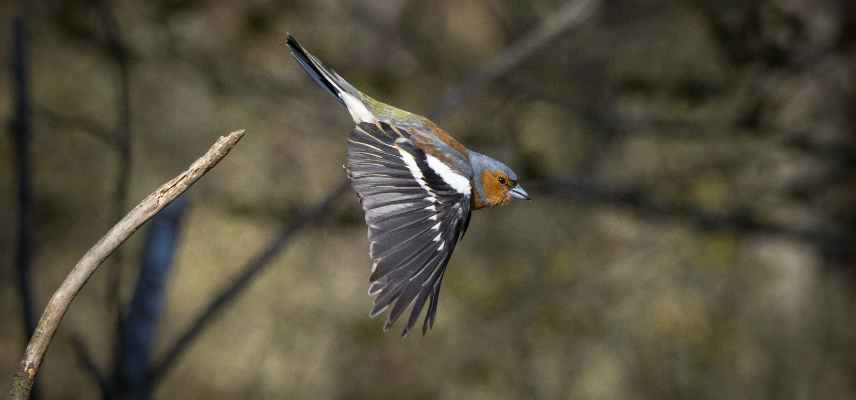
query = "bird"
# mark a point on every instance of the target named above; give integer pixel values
(417, 186)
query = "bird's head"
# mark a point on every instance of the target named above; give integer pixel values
(496, 184)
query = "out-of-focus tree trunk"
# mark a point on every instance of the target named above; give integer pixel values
(139, 336)
(21, 129)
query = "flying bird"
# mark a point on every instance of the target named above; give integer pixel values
(417, 186)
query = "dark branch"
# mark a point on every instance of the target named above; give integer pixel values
(571, 15)
(637, 200)
(251, 270)
(137, 343)
(21, 129)
(66, 121)
(84, 357)
(118, 51)
(120, 54)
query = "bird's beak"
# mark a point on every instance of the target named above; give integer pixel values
(519, 194)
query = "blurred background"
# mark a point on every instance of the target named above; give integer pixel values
(691, 162)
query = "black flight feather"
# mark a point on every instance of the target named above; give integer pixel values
(415, 221)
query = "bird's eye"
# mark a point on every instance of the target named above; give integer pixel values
(502, 180)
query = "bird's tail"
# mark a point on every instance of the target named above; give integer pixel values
(330, 81)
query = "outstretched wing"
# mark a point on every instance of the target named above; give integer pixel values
(416, 208)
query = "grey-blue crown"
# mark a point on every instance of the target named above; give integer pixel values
(481, 162)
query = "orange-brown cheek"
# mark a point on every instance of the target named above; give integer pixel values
(496, 193)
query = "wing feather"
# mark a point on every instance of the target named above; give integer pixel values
(415, 220)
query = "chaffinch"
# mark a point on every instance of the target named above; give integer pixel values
(417, 186)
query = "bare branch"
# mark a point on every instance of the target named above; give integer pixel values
(28, 368)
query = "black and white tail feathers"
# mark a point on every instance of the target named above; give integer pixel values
(330, 81)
